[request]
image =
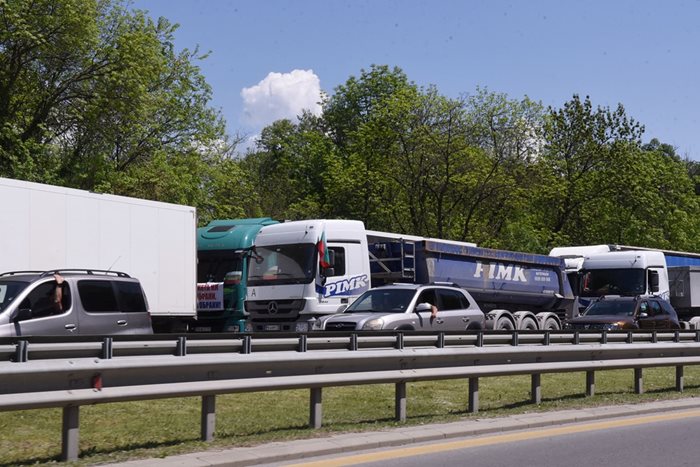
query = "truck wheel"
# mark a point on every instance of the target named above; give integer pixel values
(550, 325)
(504, 324)
(528, 324)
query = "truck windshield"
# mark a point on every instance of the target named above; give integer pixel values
(283, 264)
(212, 266)
(8, 291)
(611, 308)
(382, 301)
(626, 282)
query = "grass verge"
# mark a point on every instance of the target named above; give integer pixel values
(122, 431)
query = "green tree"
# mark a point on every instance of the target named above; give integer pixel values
(92, 94)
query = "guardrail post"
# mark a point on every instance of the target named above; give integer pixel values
(208, 417)
(22, 351)
(676, 336)
(514, 339)
(315, 408)
(638, 381)
(181, 347)
(399, 341)
(246, 345)
(604, 337)
(303, 343)
(590, 383)
(697, 336)
(70, 433)
(353, 342)
(474, 395)
(480, 339)
(577, 338)
(679, 378)
(536, 388)
(440, 340)
(654, 337)
(107, 350)
(630, 337)
(400, 399)
(547, 338)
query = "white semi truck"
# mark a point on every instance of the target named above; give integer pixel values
(44, 227)
(599, 270)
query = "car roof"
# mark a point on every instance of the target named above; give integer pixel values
(32, 276)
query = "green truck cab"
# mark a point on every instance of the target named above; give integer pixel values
(222, 268)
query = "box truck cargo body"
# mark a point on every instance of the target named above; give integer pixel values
(44, 227)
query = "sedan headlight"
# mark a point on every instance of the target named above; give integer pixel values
(373, 325)
(613, 326)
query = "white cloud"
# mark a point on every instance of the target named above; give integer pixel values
(281, 95)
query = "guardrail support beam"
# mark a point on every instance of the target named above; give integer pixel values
(536, 388)
(638, 381)
(70, 433)
(208, 417)
(590, 383)
(315, 408)
(474, 395)
(400, 401)
(679, 378)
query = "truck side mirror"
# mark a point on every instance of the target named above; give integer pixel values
(329, 271)
(331, 259)
(653, 281)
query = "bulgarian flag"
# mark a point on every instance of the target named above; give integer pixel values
(324, 258)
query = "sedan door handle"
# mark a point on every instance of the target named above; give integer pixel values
(121, 322)
(70, 327)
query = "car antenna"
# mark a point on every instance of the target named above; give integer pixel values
(115, 262)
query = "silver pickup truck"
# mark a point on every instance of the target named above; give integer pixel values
(408, 307)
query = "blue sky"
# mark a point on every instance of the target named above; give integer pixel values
(643, 54)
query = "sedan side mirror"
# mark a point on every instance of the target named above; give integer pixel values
(23, 314)
(643, 314)
(423, 307)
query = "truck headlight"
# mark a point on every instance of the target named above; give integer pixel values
(373, 325)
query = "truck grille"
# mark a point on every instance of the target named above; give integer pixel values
(274, 308)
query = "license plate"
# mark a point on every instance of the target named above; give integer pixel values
(272, 327)
(202, 329)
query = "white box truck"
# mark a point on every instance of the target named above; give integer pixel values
(45, 227)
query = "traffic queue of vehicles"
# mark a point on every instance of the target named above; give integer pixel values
(263, 275)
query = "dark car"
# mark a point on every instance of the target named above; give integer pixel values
(611, 313)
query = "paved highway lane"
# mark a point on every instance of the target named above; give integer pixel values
(647, 441)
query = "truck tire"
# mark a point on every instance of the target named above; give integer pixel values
(504, 324)
(551, 324)
(527, 324)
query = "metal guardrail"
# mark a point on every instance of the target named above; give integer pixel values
(37, 373)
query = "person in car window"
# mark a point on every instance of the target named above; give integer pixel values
(58, 293)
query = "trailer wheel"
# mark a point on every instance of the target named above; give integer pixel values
(528, 324)
(551, 324)
(504, 324)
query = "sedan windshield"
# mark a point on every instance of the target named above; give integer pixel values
(611, 308)
(283, 264)
(8, 291)
(382, 301)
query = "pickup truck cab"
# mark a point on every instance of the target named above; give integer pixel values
(87, 302)
(408, 307)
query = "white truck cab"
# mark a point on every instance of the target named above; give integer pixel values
(287, 286)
